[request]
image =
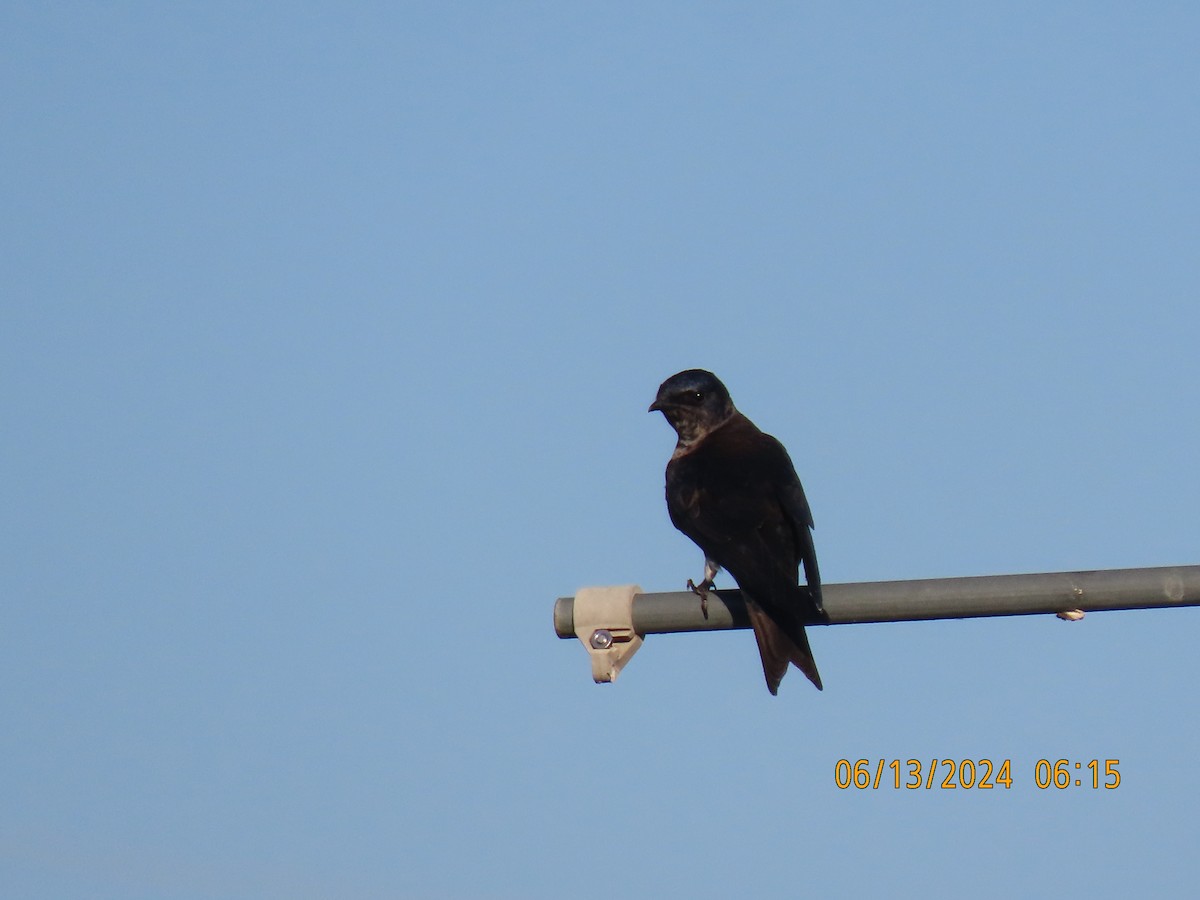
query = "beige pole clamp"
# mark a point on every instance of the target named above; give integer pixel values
(604, 624)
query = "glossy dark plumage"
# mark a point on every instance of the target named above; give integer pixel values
(733, 490)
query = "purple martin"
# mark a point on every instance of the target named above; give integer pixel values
(733, 490)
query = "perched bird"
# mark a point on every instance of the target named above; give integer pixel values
(733, 490)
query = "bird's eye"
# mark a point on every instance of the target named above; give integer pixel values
(698, 396)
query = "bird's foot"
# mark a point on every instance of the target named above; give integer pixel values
(701, 590)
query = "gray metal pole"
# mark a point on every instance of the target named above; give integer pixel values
(933, 598)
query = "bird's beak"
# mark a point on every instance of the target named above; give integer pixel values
(655, 405)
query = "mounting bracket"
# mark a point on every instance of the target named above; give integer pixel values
(604, 625)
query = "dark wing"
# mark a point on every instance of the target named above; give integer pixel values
(799, 516)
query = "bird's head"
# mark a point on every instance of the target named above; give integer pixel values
(694, 402)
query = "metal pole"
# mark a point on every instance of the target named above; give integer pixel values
(933, 598)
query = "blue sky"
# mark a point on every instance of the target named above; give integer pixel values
(326, 341)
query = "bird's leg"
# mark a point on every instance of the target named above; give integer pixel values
(702, 589)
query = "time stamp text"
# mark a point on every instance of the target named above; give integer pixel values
(974, 774)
